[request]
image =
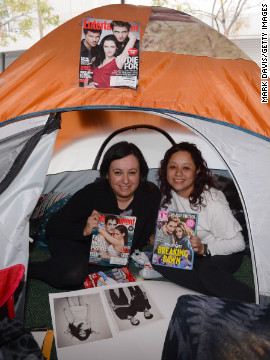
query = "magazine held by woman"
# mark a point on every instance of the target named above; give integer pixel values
(112, 240)
(172, 241)
(109, 56)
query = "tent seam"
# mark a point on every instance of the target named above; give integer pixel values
(118, 107)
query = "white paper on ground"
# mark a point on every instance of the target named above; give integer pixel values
(115, 338)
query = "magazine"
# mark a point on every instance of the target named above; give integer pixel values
(112, 240)
(116, 275)
(172, 241)
(109, 55)
(121, 275)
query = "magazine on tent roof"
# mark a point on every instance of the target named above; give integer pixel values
(112, 240)
(109, 55)
(172, 246)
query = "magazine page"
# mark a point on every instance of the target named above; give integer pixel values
(116, 321)
(112, 240)
(79, 317)
(172, 241)
(131, 306)
(109, 55)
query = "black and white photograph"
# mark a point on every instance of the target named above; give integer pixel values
(80, 319)
(131, 307)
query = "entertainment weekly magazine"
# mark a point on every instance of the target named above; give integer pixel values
(112, 240)
(172, 241)
(123, 68)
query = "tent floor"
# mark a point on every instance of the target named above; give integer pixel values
(37, 309)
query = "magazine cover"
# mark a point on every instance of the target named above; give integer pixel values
(172, 241)
(112, 240)
(116, 275)
(109, 55)
(98, 279)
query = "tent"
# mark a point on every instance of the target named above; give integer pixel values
(192, 81)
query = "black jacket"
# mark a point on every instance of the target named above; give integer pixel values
(69, 222)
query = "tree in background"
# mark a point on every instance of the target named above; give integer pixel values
(226, 16)
(20, 17)
(183, 6)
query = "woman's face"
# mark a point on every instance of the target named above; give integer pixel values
(118, 235)
(109, 47)
(178, 232)
(124, 177)
(181, 173)
(82, 333)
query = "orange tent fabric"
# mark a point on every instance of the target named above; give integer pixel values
(45, 79)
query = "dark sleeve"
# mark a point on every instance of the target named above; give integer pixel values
(69, 222)
(151, 214)
(146, 217)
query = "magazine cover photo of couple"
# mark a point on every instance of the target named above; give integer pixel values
(172, 239)
(112, 240)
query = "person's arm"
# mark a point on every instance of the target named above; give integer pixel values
(121, 59)
(68, 315)
(70, 221)
(107, 236)
(219, 246)
(152, 239)
(88, 320)
(146, 217)
(159, 238)
(92, 85)
(91, 223)
(224, 237)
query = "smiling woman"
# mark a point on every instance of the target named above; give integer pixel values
(124, 178)
(181, 173)
(121, 190)
(187, 185)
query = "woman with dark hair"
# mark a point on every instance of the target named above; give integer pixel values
(108, 64)
(122, 190)
(187, 185)
(78, 318)
(181, 236)
(116, 152)
(202, 180)
(180, 232)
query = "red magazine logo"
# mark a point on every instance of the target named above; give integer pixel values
(133, 51)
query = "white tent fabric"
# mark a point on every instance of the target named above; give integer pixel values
(245, 155)
(80, 154)
(19, 199)
(247, 159)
